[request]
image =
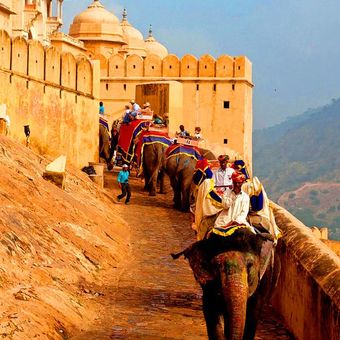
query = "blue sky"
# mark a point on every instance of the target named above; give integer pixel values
(294, 45)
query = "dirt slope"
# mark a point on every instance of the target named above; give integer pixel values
(56, 247)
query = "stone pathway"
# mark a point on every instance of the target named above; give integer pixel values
(157, 297)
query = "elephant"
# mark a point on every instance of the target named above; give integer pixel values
(237, 274)
(180, 168)
(153, 158)
(104, 145)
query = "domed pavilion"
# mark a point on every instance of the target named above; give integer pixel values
(133, 38)
(99, 29)
(155, 47)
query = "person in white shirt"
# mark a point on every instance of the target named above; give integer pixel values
(135, 108)
(235, 204)
(222, 176)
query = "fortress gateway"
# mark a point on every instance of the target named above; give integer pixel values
(54, 81)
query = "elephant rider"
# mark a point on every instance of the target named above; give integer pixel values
(235, 204)
(135, 110)
(207, 203)
(222, 176)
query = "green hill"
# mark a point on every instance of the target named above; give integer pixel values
(303, 149)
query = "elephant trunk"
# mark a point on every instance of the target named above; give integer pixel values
(234, 281)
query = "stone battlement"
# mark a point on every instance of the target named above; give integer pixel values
(171, 66)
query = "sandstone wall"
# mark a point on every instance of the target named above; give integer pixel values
(54, 94)
(308, 293)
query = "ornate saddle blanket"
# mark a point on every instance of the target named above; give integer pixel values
(147, 138)
(180, 149)
(103, 121)
(127, 134)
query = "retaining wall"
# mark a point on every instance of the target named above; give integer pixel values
(54, 94)
(308, 293)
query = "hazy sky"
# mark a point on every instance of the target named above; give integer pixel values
(294, 45)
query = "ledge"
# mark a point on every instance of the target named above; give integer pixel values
(6, 9)
(315, 257)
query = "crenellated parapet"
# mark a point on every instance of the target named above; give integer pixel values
(31, 60)
(172, 66)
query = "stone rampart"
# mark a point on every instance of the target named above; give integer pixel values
(173, 67)
(308, 293)
(54, 94)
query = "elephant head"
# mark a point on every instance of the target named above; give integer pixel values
(236, 275)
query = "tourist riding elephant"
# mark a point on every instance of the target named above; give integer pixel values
(153, 158)
(104, 145)
(237, 274)
(180, 168)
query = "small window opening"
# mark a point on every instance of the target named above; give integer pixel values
(116, 67)
(27, 84)
(224, 67)
(18, 55)
(188, 67)
(36, 61)
(233, 87)
(76, 99)
(124, 87)
(239, 67)
(153, 67)
(107, 87)
(134, 66)
(205, 66)
(226, 104)
(214, 87)
(197, 87)
(225, 141)
(170, 66)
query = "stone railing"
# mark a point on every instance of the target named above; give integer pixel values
(308, 293)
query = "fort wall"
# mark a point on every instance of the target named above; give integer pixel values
(307, 295)
(54, 94)
(217, 94)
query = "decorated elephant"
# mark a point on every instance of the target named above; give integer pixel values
(149, 152)
(237, 275)
(180, 161)
(153, 155)
(104, 145)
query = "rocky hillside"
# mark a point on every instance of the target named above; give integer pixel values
(297, 159)
(56, 247)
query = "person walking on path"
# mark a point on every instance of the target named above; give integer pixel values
(123, 182)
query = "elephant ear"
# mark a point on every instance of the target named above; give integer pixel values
(266, 256)
(200, 264)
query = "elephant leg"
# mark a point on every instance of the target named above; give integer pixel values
(253, 312)
(153, 181)
(177, 193)
(185, 189)
(212, 312)
(146, 179)
(161, 182)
